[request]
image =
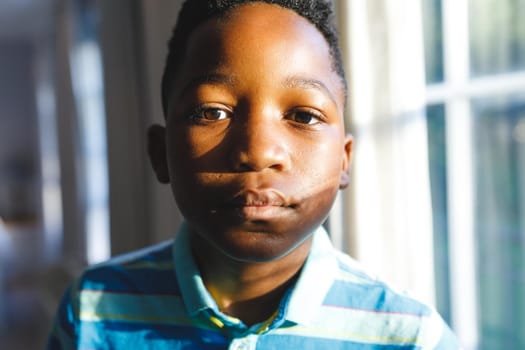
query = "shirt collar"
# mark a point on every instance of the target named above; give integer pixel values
(316, 278)
(194, 294)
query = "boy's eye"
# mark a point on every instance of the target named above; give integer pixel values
(210, 114)
(305, 117)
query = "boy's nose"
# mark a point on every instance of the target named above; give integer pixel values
(259, 145)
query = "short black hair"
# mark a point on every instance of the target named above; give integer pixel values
(194, 12)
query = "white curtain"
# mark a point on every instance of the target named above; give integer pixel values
(387, 210)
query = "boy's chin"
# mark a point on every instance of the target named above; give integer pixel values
(251, 246)
(263, 251)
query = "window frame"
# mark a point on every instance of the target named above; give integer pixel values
(456, 93)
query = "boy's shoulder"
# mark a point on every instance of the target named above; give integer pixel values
(355, 287)
(359, 305)
(147, 270)
(153, 254)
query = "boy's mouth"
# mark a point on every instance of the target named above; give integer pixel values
(259, 204)
(258, 198)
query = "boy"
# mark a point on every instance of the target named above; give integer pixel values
(255, 151)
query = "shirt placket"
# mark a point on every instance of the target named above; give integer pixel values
(248, 342)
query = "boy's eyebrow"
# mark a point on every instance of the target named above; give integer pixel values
(290, 82)
(308, 83)
(212, 78)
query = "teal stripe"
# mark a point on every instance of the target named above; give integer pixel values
(101, 306)
(369, 326)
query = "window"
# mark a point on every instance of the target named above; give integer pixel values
(87, 77)
(475, 64)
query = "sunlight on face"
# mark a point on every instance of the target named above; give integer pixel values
(256, 143)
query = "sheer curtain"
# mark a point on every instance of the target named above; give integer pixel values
(387, 210)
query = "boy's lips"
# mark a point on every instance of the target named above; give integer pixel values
(259, 204)
(259, 198)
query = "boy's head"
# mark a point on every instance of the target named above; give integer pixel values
(254, 145)
(318, 12)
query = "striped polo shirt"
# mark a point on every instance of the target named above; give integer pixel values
(155, 299)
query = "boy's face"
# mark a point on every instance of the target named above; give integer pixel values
(256, 148)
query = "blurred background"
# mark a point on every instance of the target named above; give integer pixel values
(436, 106)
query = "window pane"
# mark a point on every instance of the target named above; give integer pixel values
(87, 76)
(499, 129)
(433, 29)
(437, 152)
(497, 36)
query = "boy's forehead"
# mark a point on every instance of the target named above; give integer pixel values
(261, 20)
(259, 26)
(255, 32)
(262, 13)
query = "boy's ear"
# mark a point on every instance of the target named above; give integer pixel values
(157, 152)
(347, 160)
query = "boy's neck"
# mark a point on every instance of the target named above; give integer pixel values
(250, 292)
